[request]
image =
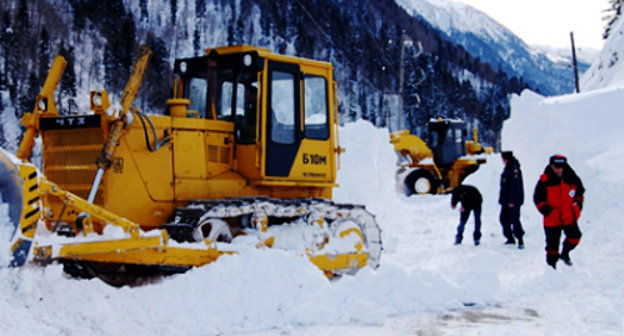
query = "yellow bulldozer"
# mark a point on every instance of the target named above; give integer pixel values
(440, 164)
(246, 155)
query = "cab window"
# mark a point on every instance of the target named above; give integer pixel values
(458, 135)
(227, 94)
(198, 88)
(283, 107)
(316, 125)
(247, 96)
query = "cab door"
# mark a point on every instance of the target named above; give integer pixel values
(283, 119)
(299, 141)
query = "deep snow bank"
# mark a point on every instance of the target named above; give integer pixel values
(587, 128)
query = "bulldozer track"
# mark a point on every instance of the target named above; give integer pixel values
(237, 212)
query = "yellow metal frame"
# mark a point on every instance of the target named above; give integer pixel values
(46, 98)
(49, 188)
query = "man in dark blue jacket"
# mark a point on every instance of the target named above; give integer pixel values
(511, 199)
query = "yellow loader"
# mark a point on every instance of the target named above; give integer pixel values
(246, 157)
(440, 164)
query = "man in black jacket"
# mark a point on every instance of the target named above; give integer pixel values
(470, 199)
(511, 198)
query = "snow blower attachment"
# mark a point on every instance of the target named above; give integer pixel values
(246, 158)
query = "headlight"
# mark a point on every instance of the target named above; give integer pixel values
(96, 99)
(43, 104)
(247, 60)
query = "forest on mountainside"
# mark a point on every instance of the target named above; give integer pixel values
(366, 41)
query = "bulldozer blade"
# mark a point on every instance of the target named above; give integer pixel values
(18, 188)
(11, 188)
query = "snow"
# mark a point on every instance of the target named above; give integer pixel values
(608, 70)
(462, 17)
(424, 284)
(562, 55)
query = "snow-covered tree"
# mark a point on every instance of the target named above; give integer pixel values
(67, 90)
(612, 14)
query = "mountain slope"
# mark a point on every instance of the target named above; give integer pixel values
(492, 42)
(101, 38)
(608, 69)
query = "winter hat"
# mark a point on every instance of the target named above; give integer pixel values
(507, 155)
(558, 160)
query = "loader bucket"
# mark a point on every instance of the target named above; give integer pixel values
(16, 179)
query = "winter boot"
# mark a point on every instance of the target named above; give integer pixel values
(510, 241)
(520, 243)
(565, 257)
(476, 237)
(458, 240)
(565, 252)
(551, 259)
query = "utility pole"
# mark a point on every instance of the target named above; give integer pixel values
(574, 66)
(404, 40)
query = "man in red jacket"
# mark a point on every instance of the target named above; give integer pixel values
(559, 197)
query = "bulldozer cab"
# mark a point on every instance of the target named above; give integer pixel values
(227, 93)
(281, 107)
(447, 140)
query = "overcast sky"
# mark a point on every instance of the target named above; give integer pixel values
(549, 22)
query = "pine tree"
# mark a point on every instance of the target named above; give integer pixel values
(25, 80)
(200, 8)
(353, 111)
(233, 31)
(613, 13)
(119, 56)
(196, 41)
(2, 111)
(2, 140)
(5, 37)
(173, 4)
(144, 10)
(67, 93)
(44, 52)
(9, 45)
(154, 90)
(26, 101)
(415, 76)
